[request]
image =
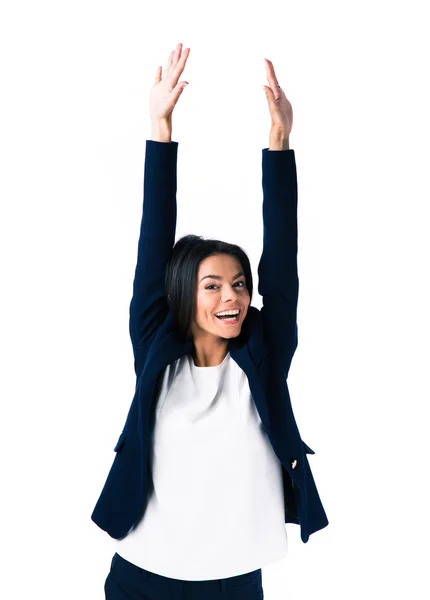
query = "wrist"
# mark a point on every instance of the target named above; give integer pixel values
(278, 140)
(161, 131)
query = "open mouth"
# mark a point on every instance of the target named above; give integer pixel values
(229, 320)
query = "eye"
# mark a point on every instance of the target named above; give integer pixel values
(237, 282)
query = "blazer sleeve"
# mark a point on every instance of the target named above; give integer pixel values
(148, 306)
(278, 281)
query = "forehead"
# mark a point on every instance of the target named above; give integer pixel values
(222, 263)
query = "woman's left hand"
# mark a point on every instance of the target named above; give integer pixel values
(280, 108)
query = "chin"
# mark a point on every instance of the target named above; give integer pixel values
(232, 334)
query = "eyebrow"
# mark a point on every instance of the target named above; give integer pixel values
(218, 277)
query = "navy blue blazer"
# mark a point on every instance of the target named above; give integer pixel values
(263, 349)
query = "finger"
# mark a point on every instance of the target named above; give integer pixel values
(176, 54)
(176, 92)
(180, 66)
(271, 77)
(270, 68)
(270, 99)
(157, 77)
(169, 61)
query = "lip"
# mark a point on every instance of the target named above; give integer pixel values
(222, 322)
(239, 309)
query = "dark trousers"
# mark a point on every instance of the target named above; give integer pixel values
(127, 581)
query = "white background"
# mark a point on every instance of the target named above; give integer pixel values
(75, 80)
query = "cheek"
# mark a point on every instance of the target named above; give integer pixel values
(205, 305)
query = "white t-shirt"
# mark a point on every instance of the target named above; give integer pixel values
(217, 505)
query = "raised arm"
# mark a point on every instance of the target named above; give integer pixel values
(278, 281)
(148, 306)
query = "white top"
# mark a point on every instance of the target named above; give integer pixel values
(217, 507)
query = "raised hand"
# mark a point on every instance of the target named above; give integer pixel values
(281, 111)
(166, 90)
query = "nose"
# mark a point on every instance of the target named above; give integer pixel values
(231, 293)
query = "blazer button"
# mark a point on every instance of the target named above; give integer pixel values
(294, 464)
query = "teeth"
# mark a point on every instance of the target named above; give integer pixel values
(228, 312)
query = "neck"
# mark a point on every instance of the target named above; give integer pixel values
(209, 357)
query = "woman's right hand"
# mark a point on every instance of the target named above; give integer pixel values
(166, 90)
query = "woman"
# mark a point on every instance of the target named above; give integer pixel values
(210, 464)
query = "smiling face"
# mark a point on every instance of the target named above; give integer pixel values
(226, 291)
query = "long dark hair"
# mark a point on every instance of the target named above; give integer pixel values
(181, 276)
